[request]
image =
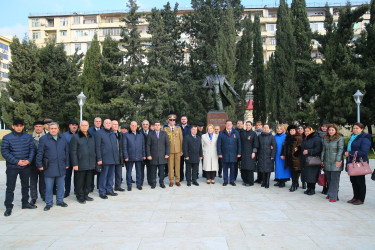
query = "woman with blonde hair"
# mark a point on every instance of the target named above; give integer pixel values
(209, 147)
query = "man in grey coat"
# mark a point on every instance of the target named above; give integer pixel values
(157, 151)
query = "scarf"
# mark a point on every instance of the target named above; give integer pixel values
(352, 138)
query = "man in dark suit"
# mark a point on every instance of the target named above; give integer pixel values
(157, 151)
(240, 130)
(118, 167)
(97, 126)
(185, 127)
(192, 148)
(145, 130)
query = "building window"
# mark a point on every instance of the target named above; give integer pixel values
(272, 40)
(91, 33)
(4, 56)
(109, 20)
(63, 21)
(66, 47)
(76, 20)
(35, 22)
(271, 27)
(5, 75)
(77, 46)
(264, 40)
(63, 33)
(5, 66)
(36, 35)
(50, 22)
(89, 20)
(79, 33)
(112, 32)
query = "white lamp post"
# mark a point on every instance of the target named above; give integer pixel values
(81, 101)
(358, 97)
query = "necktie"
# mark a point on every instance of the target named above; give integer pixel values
(194, 136)
(172, 129)
(157, 135)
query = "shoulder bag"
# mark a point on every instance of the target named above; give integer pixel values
(358, 168)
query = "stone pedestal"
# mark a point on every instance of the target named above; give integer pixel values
(217, 118)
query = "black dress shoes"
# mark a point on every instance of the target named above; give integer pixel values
(48, 207)
(189, 184)
(162, 185)
(62, 204)
(292, 188)
(129, 189)
(195, 183)
(233, 184)
(82, 201)
(153, 187)
(111, 194)
(29, 206)
(311, 192)
(87, 198)
(225, 183)
(103, 196)
(33, 202)
(120, 189)
(139, 187)
(8, 212)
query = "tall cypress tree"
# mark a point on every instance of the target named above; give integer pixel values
(23, 93)
(59, 84)
(258, 77)
(286, 88)
(91, 79)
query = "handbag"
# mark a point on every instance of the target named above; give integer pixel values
(45, 163)
(312, 161)
(322, 178)
(373, 176)
(98, 168)
(358, 168)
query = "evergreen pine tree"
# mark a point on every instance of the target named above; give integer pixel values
(285, 87)
(258, 75)
(23, 94)
(91, 79)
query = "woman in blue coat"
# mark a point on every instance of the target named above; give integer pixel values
(361, 143)
(281, 174)
(53, 159)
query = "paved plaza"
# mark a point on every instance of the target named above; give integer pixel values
(204, 217)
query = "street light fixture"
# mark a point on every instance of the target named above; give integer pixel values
(358, 97)
(81, 101)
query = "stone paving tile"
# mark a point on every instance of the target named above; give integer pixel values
(218, 243)
(204, 217)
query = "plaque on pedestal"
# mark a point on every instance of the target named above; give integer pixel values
(217, 118)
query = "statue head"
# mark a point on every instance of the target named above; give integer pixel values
(214, 68)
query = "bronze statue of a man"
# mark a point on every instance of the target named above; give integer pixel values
(215, 83)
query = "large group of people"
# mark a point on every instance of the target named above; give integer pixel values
(46, 159)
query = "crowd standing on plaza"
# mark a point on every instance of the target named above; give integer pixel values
(46, 159)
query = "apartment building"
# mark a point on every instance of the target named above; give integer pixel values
(76, 30)
(5, 59)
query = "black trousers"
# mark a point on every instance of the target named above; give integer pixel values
(182, 170)
(12, 174)
(68, 179)
(210, 175)
(152, 171)
(220, 167)
(247, 176)
(37, 177)
(82, 180)
(236, 167)
(359, 187)
(93, 180)
(295, 176)
(311, 186)
(191, 171)
(118, 175)
(146, 165)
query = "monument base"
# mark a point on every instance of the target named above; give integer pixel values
(217, 118)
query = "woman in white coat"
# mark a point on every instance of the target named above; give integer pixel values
(209, 146)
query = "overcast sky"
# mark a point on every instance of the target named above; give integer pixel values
(14, 13)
